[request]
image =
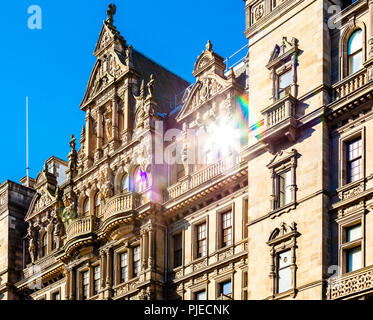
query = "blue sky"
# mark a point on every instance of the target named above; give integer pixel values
(52, 65)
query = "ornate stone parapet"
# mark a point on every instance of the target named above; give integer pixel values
(351, 283)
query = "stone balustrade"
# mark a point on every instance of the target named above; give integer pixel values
(120, 203)
(80, 226)
(350, 84)
(351, 283)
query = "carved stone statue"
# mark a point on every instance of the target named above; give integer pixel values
(151, 86)
(31, 247)
(111, 12)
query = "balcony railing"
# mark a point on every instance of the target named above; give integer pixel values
(350, 84)
(198, 178)
(351, 283)
(80, 226)
(120, 203)
(279, 111)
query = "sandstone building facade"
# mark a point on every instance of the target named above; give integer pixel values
(255, 182)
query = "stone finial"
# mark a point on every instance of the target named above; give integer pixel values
(142, 89)
(209, 46)
(82, 135)
(110, 13)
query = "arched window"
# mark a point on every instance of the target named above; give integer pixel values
(86, 207)
(355, 52)
(141, 180)
(44, 245)
(124, 183)
(97, 205)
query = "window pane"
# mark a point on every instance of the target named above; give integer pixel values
(226, 288)
(353, 233)
(201, 295)
(355, 42)
(284, 81)
(178, 250)
(284, 259)
(354, 259)
(284, 280)
(124, 184)
(124, 267)
(355, 62)
(136, 261)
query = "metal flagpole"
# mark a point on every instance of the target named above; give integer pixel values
(27, 167)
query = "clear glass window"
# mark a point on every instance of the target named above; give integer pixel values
(354, 160)
(284, 271)
(284, 82)
(124, 267)
(353, 233)
(226, 228)
(201, 295)
(201, 240)
(284, 189)
(353, 259)
(136, 261)
(355, 52)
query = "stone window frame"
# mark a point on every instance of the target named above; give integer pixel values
(282, 64)
(79, 286)
(171, 246)
(280, 240)
(195, 239)
(278, 166)
(58, 290)
(92, 278)
(219, 235)
(218, 285)
(202, 286)
(343, 142)
(343, 46)
(343, 246)
(244, 284)
(129, 248)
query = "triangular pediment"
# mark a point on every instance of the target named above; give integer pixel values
(106, 70)
(207, 60)
(204, 90)
(281, 157)
(108, 35)
(283, 51)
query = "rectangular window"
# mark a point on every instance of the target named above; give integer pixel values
(284, 271)
(284, 188)
(353, 259)
(136, 261)
(56, 296)
(226, 224)
(178, 250)
(201, 240)
(354, 160)
(96, 280)
(85, 285)
(226, 288)
(353, 255)
(201, 295)
(123, 267)
(353, 232)
(284, 82)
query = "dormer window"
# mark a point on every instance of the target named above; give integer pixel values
(355, 52)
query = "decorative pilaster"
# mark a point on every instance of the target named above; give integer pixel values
(151, 254)
(370, 35)
(99, 130)
(72, 283)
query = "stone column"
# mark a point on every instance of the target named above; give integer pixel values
(67, 287)
(102, 269)
(109, 271)
(151, 258)
(143, 249)
(114, 120)
(72, 284)
(99, 129)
